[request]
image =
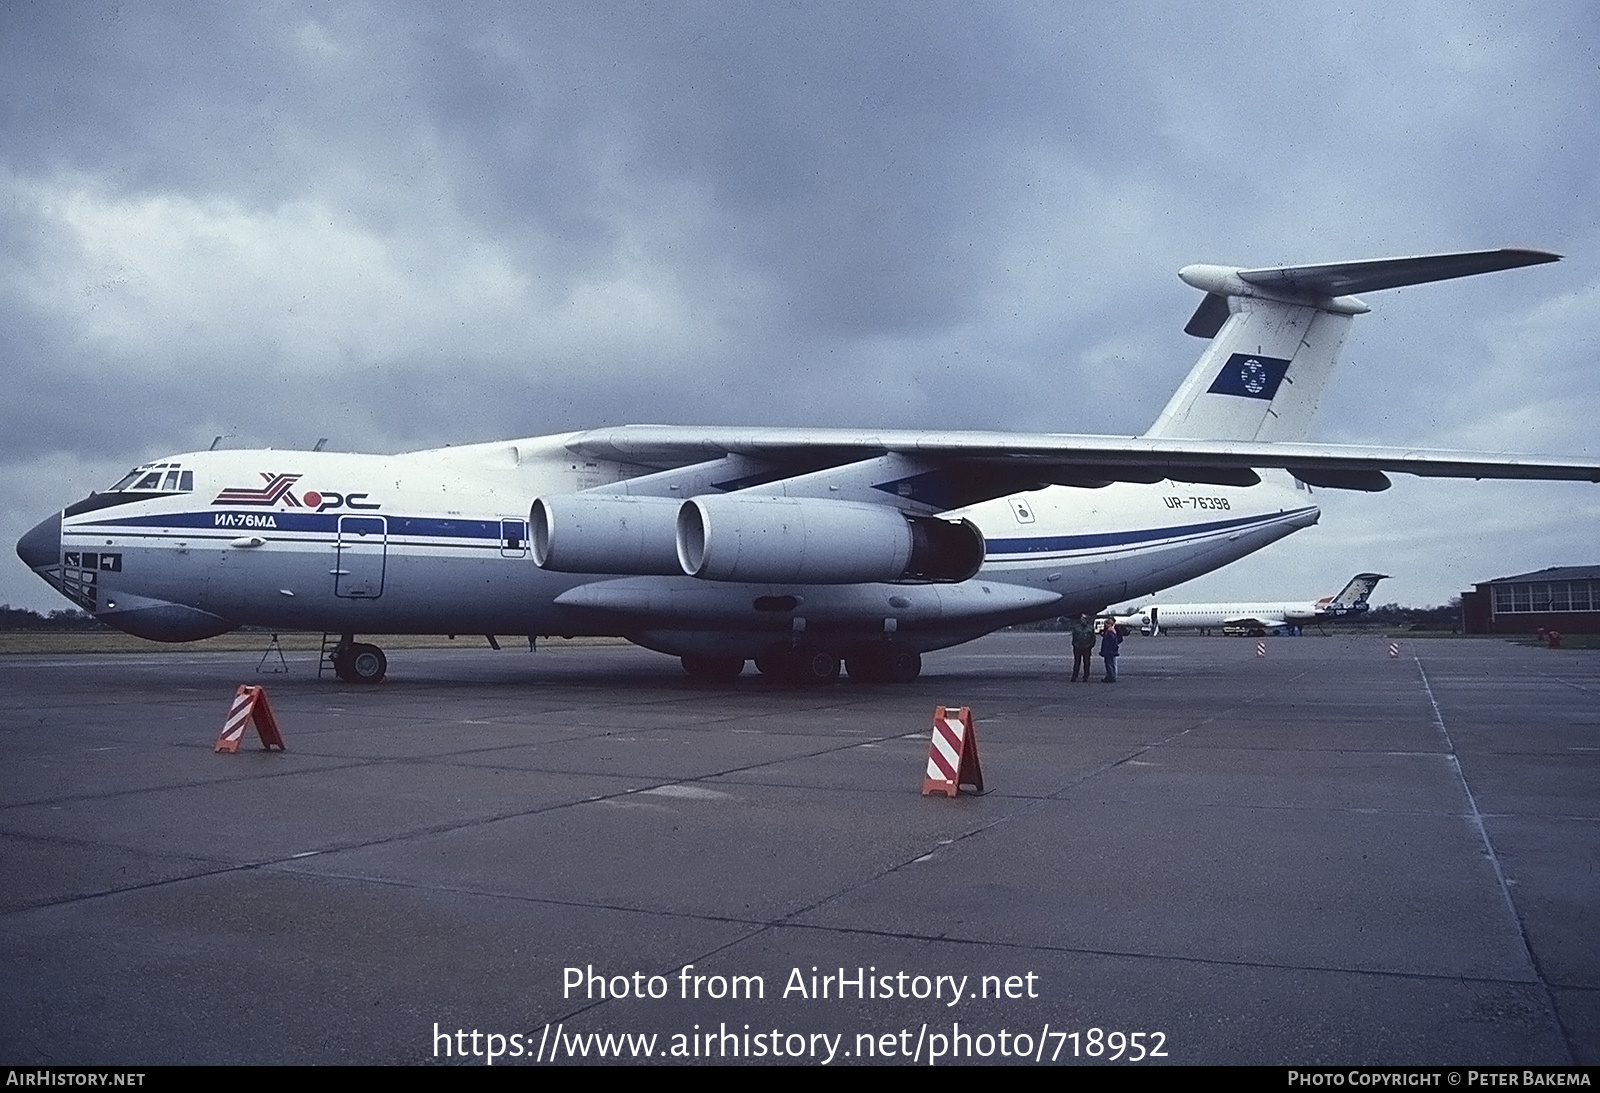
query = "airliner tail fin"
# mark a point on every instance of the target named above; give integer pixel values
(1276, 334)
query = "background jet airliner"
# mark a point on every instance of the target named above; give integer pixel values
(1349, 604)
(797, 548)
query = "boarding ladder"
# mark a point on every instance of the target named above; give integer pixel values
(330, 646)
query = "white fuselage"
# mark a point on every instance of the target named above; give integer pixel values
(438, 542)
(1199, 616)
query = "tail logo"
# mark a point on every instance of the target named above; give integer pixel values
(1250, 376)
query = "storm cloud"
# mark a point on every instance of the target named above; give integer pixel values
(400, 226)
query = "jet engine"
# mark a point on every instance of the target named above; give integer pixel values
(802, 540)
(577, 533)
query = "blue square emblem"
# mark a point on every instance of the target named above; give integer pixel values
(1250, 376)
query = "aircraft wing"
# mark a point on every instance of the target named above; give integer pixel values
(1257, 621)
(982, 465)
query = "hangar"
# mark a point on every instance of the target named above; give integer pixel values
(1564, 598)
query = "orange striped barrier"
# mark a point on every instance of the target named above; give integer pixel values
(953, 754)
(1261, 648)
(1394, 648)
(250, 707)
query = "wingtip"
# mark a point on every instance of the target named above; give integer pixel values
(1533, 255)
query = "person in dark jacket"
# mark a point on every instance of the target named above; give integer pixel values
(1082, 646)
(1110, 641)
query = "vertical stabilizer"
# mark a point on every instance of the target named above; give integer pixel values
(1357, 591)
(1276, 334)
(1261, 378)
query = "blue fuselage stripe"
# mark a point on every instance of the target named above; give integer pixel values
(235, 520)
(1040, 544)
(479, 530)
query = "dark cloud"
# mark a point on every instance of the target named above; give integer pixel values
(403, 225)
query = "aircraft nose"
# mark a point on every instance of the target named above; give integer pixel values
(41, 547)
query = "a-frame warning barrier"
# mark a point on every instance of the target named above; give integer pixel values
(953, 754)
(250, 706)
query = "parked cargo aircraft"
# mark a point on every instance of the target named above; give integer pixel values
(1255, 618)
(795, 547)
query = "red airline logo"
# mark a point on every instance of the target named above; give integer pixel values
(276, 492)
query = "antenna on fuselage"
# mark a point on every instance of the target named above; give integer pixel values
(214, 443)
(319, 444)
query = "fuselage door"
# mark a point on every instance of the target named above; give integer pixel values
(362, 553)
(513, 538)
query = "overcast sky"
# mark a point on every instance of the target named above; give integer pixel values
(405, 225)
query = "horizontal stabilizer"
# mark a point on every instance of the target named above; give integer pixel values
(1348, 278)
(1275, 334)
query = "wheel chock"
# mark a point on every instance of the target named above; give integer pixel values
(250, 707)
(953, 754)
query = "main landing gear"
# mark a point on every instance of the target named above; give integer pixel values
(713, 669)
(884, 665)
(805, 665)
(358, 662)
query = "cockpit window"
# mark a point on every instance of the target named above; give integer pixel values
(156, 478)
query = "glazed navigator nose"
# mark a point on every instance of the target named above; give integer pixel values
(41, 547)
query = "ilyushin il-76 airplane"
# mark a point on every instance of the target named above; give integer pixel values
(798, 548)
(1348, 605)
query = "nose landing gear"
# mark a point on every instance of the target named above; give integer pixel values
(358, 662)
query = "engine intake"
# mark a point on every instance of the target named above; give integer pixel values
(799, 540)
(575, 533)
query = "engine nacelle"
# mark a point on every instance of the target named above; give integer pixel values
(578, 533)
(802, 540)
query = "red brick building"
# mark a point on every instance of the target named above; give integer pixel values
(1564, 598)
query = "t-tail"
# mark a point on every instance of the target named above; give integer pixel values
(1353, 599)
(1276, 333)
